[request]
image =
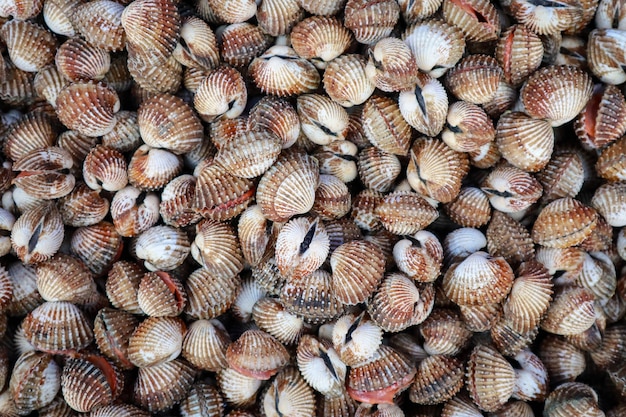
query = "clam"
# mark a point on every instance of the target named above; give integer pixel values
(478, 19)
(470, 208)
(519, 51)
(425, 105)
(43, 173)
(162, 247)
(301, 247)
(610, 202)
(378, 169)
(34, 382)
(30, 46)
(134, 211)
(475, 78)
(161, 295)
(551, 230)
(573, 398)
(100, 23)
(256, 354)
(241, 43)
(438, 379)
(320, 39)
(511, 189)
(176, 203)
(524, 141)
(385, 127)
(203, 398)
(271, 316)
(77, 59)
(197, 46)
(122, 285)
(606, 55)
(201, 287)
(346, 82)
(370, 21)
(112, 330)
(572, 312)
(405, 212)
(151, 168)
(358, 268)
(29, 132)
(106, 384)
(322, 120)
(288, 394)
(278, 116)
(444, 333)
(312, 298)
(98, 246)
(320, 366)
(391, 65)
(204, 345)
(467, 127)
(238, 390)
(222, 93)
(592, 124)
(65, 278)
(216, 248)
(161, 386)
(38, 233)
(156, 340)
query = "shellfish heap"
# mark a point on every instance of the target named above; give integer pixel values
(298, 208)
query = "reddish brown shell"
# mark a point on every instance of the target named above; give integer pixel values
(257, 354)
(101, 100)
(358, 268)
(563, 223)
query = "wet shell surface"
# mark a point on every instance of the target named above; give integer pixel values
(554, 229)
(256, 354)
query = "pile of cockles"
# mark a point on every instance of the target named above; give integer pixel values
(329, 208)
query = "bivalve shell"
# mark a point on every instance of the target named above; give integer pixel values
(478, 19)
(606, 55)
(161, 386)
(30, 46)
(240, 43)
(510, 189)
(419, 256)
(249, 154)
(385, 127)
(272, 317)
(371, 20)
(322, 120)
(556, 93)
(610, 201)
(289, 394)
(65, 278)
(161, 295)
(563, 223)
(57, 326)
(257, 354)
(134, 211)
(320, 366)
(438, 379)
(162, 247)
(391, 65)
(313, 298)
(90, 382)
(479, 279)
(405, 212)
(490, 378)
(122, 284)
(156, 340)
(547, 19)
(217, 249)
(198, 48)
(83, 206)
(152, 25)
(205, 345)
(38, 233)
(302, 246)
(519, 51)
(358, 268)
(346, 82)
(102, 101)
(475, 78)
(76, 59)
(100, 23)
(222, 93)
(203, 400)
(150, 168)
(112, 329)
(177, 201)
(320, 39)
(210, 294)
(98, 246)
(524, 141)
(45, 173)
(35, 381)
(381, 378)
(444, 333)
(277, 17)
(573, 399)
(602, 121)
(572, 312)
(278, 116)
(425, 105)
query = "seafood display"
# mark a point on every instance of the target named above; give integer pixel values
(313, 208)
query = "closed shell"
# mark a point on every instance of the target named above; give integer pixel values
(508, 238)
(277, 17)
(438, 379)
(606, 55)
(312, 298)
(217, 249)
(122, 284)
(202, 286)
(278, 116)
(77, 59)
(100, 23)
(322, 120)
(346, 82)
(419, 256)
(83, 206)
(105, 383)
(425, 105)
(551, 229)
(161, 386)
(35, 381)
(222, 93)
(490, 378)
(370, 21)
(98, 246)
(391, 65)
(519, 51)
(38, 233)
(161, 295)
(272, 317)
(257, 354)
(301, 247)
(385, 127)
(475, 79)
(358, 268)
(45, 173)
(65, 278)
(167, 122)
(571, 312)
(320, 39)
(162, 247)
(378, 169)
(150, 168)
(524, 141)
(152, 25)
(405, 212)
(478, 19)
(249, 154)
(112, 330)
(242, 42)
(610, 201)
(133, 211)
(156, 340)
(30, 46)
(101, 100)
(205, 345)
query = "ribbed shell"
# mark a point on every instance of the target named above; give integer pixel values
(358, 268)
(479, 279)
(166, 121)
(119, 410)
(98, 246)
(519, 51)
(322, 120)
(438, 379)
(385, 127)
(161, 247)
(238, 390)
(405, 212)
(419, 256)
(83, 207)
(203, 400)
(57, 326)
(203, 288)
(45, 173)
(436, 46)
(467, 127)
(272, 317)
(197, 47)
(371, 20)
(31, 46)
(302, 246)
(176, 202)
(320, 366)
(511, 189)
(38, 233)
(288, 187)
(490, 378)
(217, 249)
(242, 42)
(102, 101)
(610, 164)
(563, 223)
(478, 19)
(150, 168)
(65, 278)
(161, 295)
(470, 208)
(112, 329)
(320, 39)
(573, 399)
(556, 93)
(257, 354)
(475, 78)
(205, 345)
(100, 23)
(610, 201)
(222, 93)
(134, 211)
(90, 382)
(152, 25)
(378, 169)
(436, 170)
(399, 303)
(313, 298)
(234, 11)
(524, 141)
(564, 362)
(548, 19)
(35, 381)
(444, 333)
(77, 59)
(346, 81)
(278, 116)
(122, 284)
(249, 154)
(391, 65)
(605, 55)
(277, 17)
(602, 120)
(281, 72)
(159, 387)
(378, 381)
(425, 105)
(32, 131)
(563, 176)
(571, 312)
(156, 340)
(220, 195)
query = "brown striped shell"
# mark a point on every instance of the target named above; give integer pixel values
(524, 141)
(385, 127)
(478, 19)
(346, 82)
(320, 39)
(106, 383)
(371, 20)
(201, 287)
(43, 173)
(156, 340)
(205, 345)
(358, 268)
(405, 212)
(257, 354)
(161, 386)
(77, 59)
(30, 46)
(222, 93)
(564, 222)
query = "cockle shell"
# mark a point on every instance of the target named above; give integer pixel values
(606, 55)
(547, 93)
(38, 233)
(277, 17)
(508, 238)
(320, 366)
(162, 247)
(370, 20)
(419, 256)
(467, 127)
(134, 211)
(31, 131)
(511, 189)
(572, 312)
(425, 105)
(358, 268)
(240, 43)
(152, 25)
(65, 278)
(106, 383)
(233, 12)
(405, 212)
(288, 187)
(211, 201)
(205, 345)
(222, 93)
(201, 287)
(547, 19)
(301, 247)
(378, 169)
(564, 222)
(238, 390)
(272, 317)
(217, 249)
(161, 295)
(257, 354)
(563, 176)
(470, 208)
(313, 298)
(519, 51)
(563, 361)
(278, 116)
(57, 326)
(156, 340)
(161, 386)
(249, 154)
(475, 78)
(346, 82)
(524, 141)
(43, 173)
(100, 23)
(101, 100)
(320, 39)
(281, 72)
(478, 19)
(444, 333)
(77, 59)
(34, 382)
(176, 203)
(322, 120)
(98, 246)
(391, 65)
(288, 394)
(573, 398)
(150, 168)
(490, 378)
(610, 164)
(112, 330)
(48, 82)
(479, 279)
(385, 127)
(83, 206)
(122, 284)
(167, 122)
(332, 198)
(610, 202)
(602, 120)
(198, 48)
(202, 398)
(436, 46)
(438, 379)
(381, 378)
(30, 46)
